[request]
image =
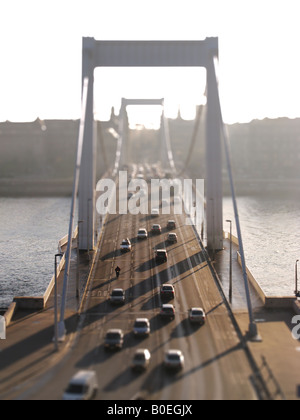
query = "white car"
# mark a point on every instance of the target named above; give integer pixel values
(125, 245)
(197, 315)
(141, 359)
(141, 327)
(155, 212)
(172, 238)
(142, 234)
(174, 360)
(83, 386)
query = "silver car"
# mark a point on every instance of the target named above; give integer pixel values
(141, 359)
(197, 315)
(126, 245)
(141, 327)
(174, 360)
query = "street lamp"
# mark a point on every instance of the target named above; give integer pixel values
(230, 263)
(56, 303)
(296, 280)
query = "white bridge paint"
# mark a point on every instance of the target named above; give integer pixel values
(152, 54)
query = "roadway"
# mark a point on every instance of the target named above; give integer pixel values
(216, 364)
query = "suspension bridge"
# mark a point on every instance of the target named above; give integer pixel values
(218, 362)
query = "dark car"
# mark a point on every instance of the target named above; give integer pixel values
(167, 311)
(171, 224)
(161, 255)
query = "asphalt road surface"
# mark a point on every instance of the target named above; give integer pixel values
(216, 365)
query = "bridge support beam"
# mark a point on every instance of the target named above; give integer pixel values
(213, 182)
(87, 182)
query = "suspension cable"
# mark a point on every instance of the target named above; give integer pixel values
(252, 325)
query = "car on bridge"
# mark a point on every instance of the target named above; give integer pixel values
(167, 291)
(156, 229)
(174, 360)
(172, 238)
(82, 386)
(171, 225)
(117, 296)
(141, 327)
(142, 234)
(155, 212)
(114, 339)
(125, 245)
(161, 255)
(197, 316)
(141, 359)
(167, 311)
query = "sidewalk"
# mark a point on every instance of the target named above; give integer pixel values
(278, 348)
(28, 351)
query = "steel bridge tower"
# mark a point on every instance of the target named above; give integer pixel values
(152, 54)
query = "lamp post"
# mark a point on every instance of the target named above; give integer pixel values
(297, 294)
(56, 304)
(230, 263)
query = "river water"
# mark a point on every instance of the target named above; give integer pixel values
(31, 228)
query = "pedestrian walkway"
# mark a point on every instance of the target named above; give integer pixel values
(28, 351)
(278, 354)
(222, 259)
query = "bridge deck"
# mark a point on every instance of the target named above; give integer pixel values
(216, 364)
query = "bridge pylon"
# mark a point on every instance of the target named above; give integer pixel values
(153, 54)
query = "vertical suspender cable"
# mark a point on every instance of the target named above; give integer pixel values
(252, 325)
(61, 325)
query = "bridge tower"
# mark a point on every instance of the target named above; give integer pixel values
(153, 54)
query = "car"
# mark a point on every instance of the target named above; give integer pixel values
(171, 224)
(174, 360)
(197, 315)
(141, 359)
(167, 291)
(117, 296)
(172, 238)
(161, 255)
(177, 199)
(114, 339)
(125, 245)
(155, 212)
(142, 234)
(141, 327)
(82, 386)
(167, 311)
(165, 202)
(156, 229)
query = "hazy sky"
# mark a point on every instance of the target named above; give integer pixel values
(40, 43)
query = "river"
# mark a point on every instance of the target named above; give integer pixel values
(30, 229)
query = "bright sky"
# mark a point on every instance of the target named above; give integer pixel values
(40, 44)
